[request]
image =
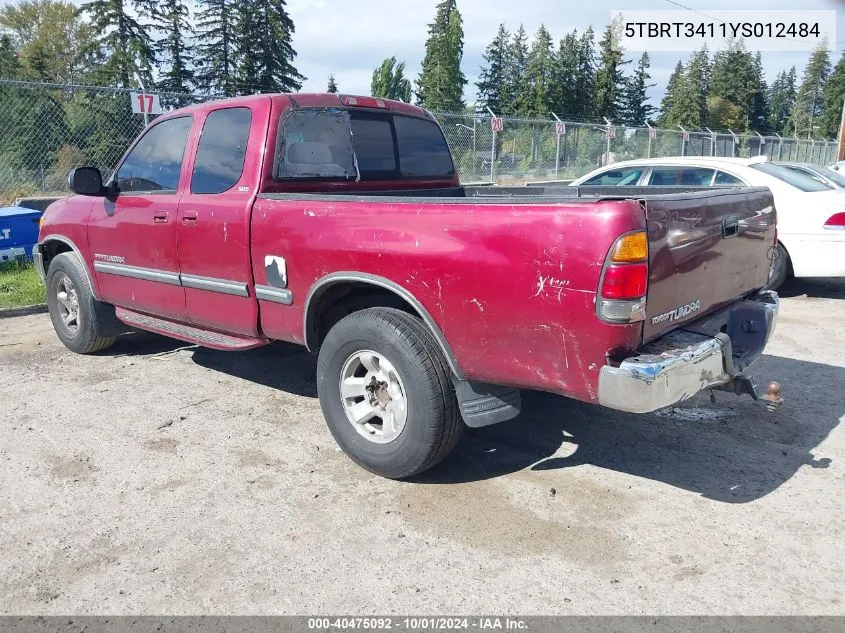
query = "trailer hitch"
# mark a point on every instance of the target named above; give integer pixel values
(741, 384)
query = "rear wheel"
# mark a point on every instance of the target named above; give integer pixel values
(779, 269)
(386, 393)
(71, 304)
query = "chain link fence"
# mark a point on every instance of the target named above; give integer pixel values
(47, 129)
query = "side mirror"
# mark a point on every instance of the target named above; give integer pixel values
(86, 181)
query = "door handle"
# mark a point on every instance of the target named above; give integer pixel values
(160, 217)
(190, 217)
(730, 227)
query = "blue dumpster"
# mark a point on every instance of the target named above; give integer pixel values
(18, 232)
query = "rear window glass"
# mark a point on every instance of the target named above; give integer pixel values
(373, 142)
(423, 152)
(622, 176)
(348, 145)
(800, 181)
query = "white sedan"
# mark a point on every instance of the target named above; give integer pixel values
(811, 215)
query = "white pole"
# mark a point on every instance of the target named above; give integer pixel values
(557, 146)
(712, 142)
(648, 151)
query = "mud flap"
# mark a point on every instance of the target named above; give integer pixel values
(482, 404)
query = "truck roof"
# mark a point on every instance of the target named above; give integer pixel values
(312, 100)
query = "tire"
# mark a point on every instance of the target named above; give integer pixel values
(72, 306)
(412, 376)
(780, 269)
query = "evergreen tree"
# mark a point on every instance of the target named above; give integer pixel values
(562, 96)
(389, 81)
(8, 57)
(809, 100)
(636, 109)
(440, 86)
(585, 77)
(609, 79)
(781, 100)
(492, 81)
(123, 44)
(517, 87)
(175, 49)
(671, 94)
(216, 57)
(538, 74)
(833, 96)
(263, 48)
(698, 84)
(737, 83)
(332, 87)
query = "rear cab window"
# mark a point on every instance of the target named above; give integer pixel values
(221, 151)
(359, 145)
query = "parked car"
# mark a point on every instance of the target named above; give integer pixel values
(833, 179)
(338, 223)
(811, 215)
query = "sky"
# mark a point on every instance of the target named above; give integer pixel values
(349, 38)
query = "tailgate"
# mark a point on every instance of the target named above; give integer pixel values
(706, 249)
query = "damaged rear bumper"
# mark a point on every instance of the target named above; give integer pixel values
(709, 353)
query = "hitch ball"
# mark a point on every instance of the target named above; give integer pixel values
(773, 396)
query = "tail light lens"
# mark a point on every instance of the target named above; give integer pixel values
(624, 282)
(836, 221)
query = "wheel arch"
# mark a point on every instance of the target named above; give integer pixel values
(55, 244)
(333, 288)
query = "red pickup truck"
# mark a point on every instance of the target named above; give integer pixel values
(339, 223)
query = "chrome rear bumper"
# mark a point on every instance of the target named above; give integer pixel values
(684, 362)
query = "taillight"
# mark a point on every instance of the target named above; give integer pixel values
(624, 282)
(836, 222)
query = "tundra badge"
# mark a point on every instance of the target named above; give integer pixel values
(678, 313)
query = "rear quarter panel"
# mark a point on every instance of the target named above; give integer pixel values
(512, 286)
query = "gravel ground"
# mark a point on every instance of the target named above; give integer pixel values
(163, 478)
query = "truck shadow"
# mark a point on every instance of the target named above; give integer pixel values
(824, 288)
(734, 451)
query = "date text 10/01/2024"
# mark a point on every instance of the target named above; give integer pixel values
(725, 29)
(417, 623)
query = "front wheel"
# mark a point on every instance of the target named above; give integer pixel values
(386, 394)
(72, 308)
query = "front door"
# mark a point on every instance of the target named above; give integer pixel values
(214, 221)
(133, 236)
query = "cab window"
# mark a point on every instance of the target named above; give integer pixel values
(221, 151)
(154, 164)
(621, 176)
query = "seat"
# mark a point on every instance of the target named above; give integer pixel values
(309, 158)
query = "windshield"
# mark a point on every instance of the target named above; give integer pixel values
(799, 181)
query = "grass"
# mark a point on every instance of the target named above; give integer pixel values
(19, 285)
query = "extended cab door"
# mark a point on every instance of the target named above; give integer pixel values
(132, 236)
(214, 219)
